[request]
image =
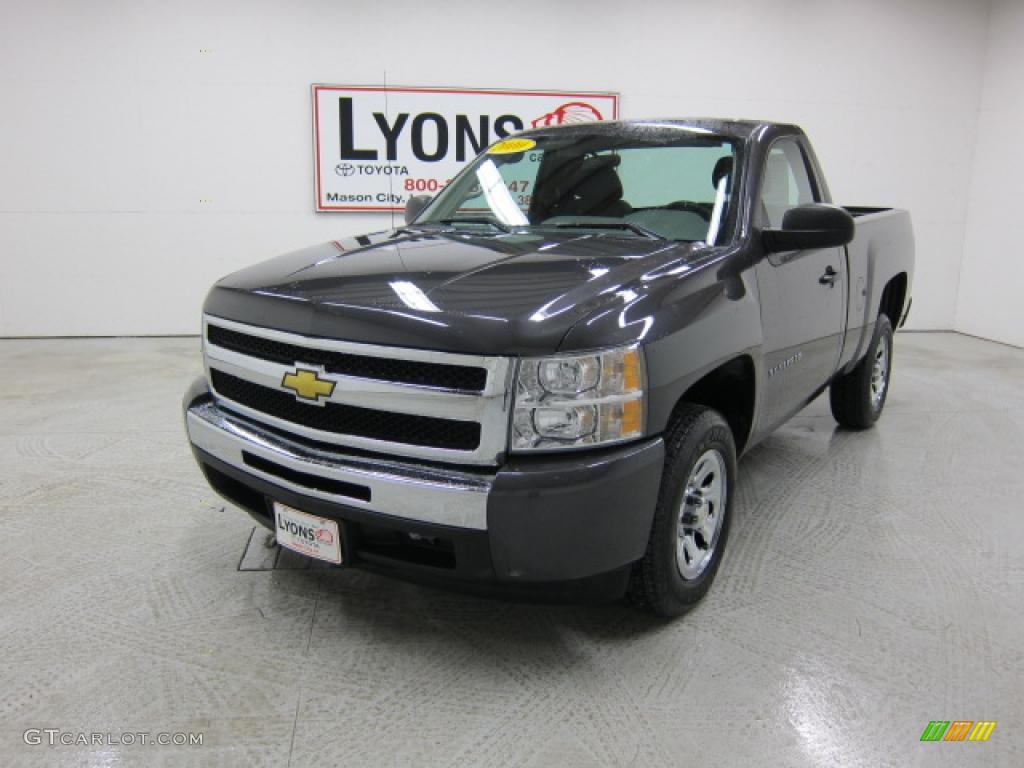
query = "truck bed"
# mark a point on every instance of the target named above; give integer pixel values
(864, 210)
(881, 233)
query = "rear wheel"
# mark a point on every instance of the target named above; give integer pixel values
(858, 397)
(691, 521)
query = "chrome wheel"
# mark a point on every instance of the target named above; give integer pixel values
(880, 373)
(700, 515)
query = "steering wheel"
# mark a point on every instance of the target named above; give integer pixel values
(701, 209)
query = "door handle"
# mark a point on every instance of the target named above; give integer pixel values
(829, 277)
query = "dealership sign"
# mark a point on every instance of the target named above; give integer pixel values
(376, 147)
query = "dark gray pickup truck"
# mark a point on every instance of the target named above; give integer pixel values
(543, 380)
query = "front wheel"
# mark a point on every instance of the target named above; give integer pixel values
(691, 521)
(858, 397)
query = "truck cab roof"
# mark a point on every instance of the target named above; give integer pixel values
(732, 128)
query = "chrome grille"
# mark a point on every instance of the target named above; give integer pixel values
(440, 375)
(404, 402)
(342, 419)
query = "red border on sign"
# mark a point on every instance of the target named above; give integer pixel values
(378, 88)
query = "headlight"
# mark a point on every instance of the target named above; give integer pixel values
(577, 401)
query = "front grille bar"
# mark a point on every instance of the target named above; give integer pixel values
(349, 420)
(307, 479)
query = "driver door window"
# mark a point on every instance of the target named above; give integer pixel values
(786, 183)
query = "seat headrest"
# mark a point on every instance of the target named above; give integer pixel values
(586, 185)
(596, 178)
(601, 162)
(722, 168)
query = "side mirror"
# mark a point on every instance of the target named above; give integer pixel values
(816, 225)
(414, 206)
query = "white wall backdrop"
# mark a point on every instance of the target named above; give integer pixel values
(990, 302)
(114, 125)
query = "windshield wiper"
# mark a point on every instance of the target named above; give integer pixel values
(475, 220)
(410, 229)
(629, 225)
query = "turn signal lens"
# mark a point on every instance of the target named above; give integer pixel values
(631, 370)
(632, 417)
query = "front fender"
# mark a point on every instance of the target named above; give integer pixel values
(688, 324)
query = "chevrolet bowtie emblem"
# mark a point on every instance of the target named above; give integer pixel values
(307, 384)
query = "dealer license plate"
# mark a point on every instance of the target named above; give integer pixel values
(307, 534)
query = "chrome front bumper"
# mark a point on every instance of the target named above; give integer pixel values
(410, 491)
(532, 520)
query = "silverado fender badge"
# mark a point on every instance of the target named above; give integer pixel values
(307, 385)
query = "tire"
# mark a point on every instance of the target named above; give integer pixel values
(676, 571)
(858, 397)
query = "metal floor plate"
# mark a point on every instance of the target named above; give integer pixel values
(262, 553)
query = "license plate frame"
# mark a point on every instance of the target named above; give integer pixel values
(311, 535)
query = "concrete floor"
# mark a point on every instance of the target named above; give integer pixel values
(874, 582)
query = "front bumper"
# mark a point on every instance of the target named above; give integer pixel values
(533, 521)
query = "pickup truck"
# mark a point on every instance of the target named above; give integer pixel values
(542, 381)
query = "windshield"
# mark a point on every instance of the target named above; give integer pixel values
(677, 189)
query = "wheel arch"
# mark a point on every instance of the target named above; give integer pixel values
(893, 300)
(730, 389)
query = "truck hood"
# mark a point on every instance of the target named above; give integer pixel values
(518, 293)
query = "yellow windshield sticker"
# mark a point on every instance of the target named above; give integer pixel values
(511, 146)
